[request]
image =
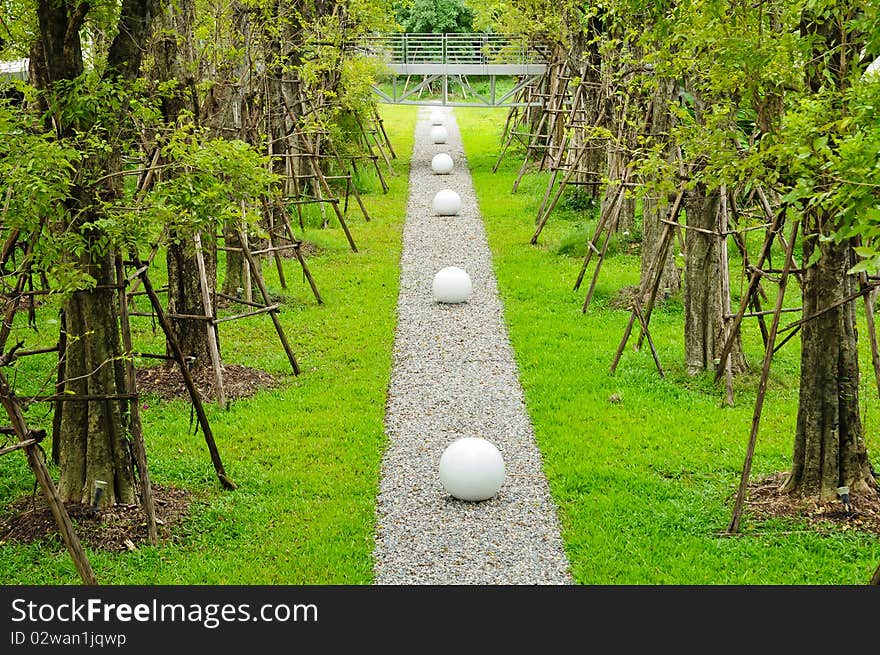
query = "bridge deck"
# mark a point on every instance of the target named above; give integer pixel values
(439, 57)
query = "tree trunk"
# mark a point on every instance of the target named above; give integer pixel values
(233, 280)
(703, 307)
(185, 296)
(624, 106)
(175, 61)
(93, 440)
(653, 211)
(829, 445)
(593, 162)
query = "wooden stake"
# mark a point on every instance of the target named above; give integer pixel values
(300, 258)
(725, 293)
(661, 257)
(134, 409)
(248, 283)
(637, 310)
(35, 461)
(276, 254)
(612, 225)
(381, 124)
(543, 217)
(591, 246)
(653, 277)
(187, 379)
(733, 527)
(273, 313)
(211, 327)
(753, 285)
(869, 320)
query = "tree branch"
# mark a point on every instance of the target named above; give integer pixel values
(75, 22)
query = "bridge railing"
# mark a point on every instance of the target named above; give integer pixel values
(470, 49)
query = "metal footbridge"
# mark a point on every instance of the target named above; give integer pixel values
(454, 59)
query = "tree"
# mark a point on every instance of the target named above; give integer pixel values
(663, 93)
(829, 446)
(63, 182)
(780, 99)
(435, 16)
(178, 71)
(88, 108)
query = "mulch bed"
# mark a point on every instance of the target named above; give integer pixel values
(764, 502)
(307, 248)
(115, 529)
(238, 382)
(623, 299)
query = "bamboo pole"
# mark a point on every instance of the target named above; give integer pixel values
(753, 285)
(637, 310)
(273, 313)
(653, 277)
(301, 259)
(869, 320)
(725, 293)
(187, 380)
(56, 505)
(612, 225)
(210, 326)
(134, 409)
(733, 527)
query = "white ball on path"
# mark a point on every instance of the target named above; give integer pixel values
(472, 469)
(442, 164)
(451, 285)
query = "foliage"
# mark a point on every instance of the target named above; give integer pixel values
(435, 16)
(550, 21)
(754, 115)
(644, 484)
(50, 181)
(36, 178)
(212, 182)
(17, 28)
(308, 474)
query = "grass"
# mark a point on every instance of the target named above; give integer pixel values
(305, 455)
(644, 485)
(457, 91)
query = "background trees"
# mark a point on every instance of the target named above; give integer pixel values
(96, 125)
(439, 16)
(758, 112)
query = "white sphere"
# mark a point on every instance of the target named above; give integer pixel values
(439, 134)
(471, 469)
(451, 285)
(442, 164)
(437, 118)
(447, 203)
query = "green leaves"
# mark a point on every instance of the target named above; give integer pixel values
(437, 16)
(211, 181)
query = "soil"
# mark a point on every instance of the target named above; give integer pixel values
(623, 299)
(764, 502)
(238, 382)
(114, 529)
(307, 248)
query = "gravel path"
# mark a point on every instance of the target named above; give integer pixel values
(454, 376)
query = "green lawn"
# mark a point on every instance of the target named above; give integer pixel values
(305, 455)
(644, 485)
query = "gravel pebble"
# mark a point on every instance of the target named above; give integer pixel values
(454, 376)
